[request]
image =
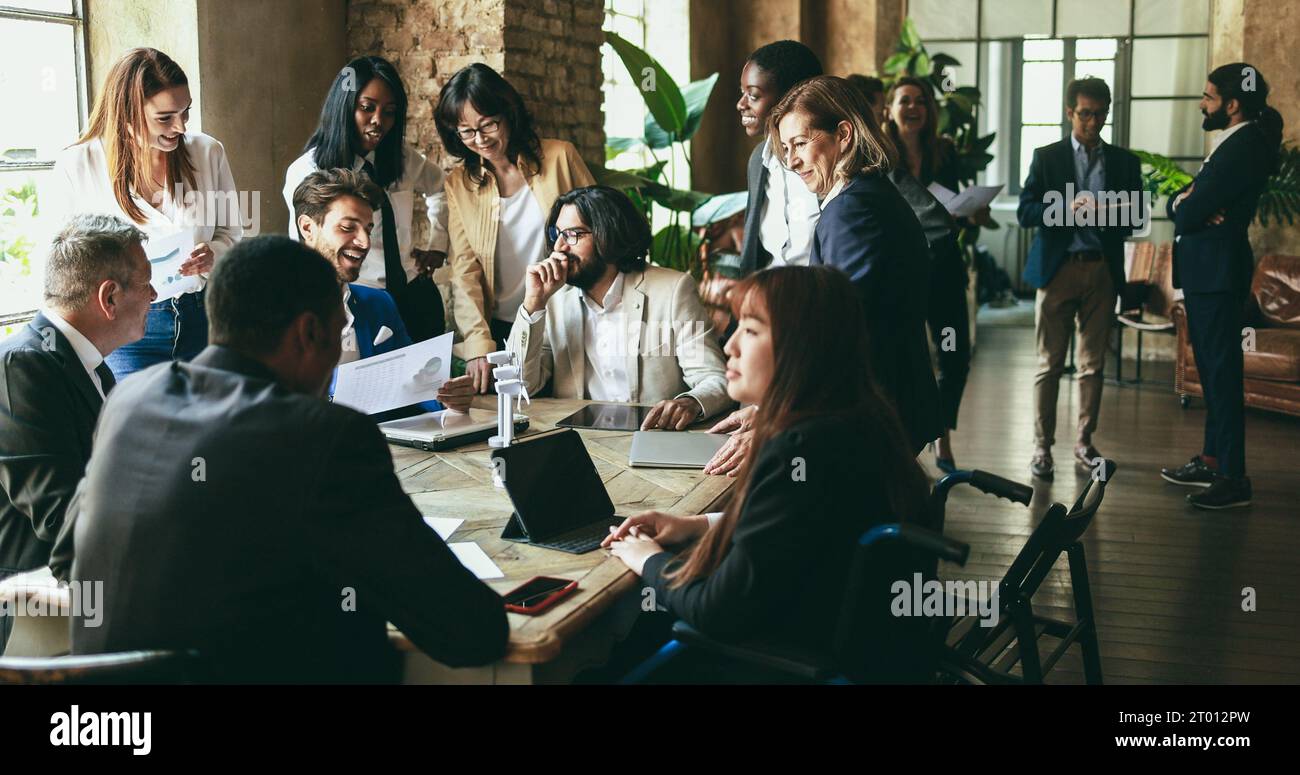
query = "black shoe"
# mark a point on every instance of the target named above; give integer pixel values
(1225, 493)
(1191, 474)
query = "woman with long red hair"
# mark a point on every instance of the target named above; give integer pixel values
(829, 460)
(137, 161)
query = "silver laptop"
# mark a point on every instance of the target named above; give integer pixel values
(434, 431)
(674, 449)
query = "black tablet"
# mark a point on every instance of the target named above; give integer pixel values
(607, 417)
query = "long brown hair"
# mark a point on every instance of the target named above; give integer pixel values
(119, 121)
(827, 100)
(816, 322)
(932, 148)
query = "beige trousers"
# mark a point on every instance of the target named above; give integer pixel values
(1080, 291)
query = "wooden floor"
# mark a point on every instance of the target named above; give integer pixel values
(1167, 579)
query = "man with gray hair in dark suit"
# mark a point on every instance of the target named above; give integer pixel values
(53, 380)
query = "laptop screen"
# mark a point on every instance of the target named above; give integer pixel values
(553, 484)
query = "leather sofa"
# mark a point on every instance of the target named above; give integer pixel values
(1272, 367)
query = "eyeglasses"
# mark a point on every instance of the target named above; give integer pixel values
(1088, 115)
(487, 129)
(571, 236)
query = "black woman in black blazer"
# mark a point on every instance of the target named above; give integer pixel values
(870, 233)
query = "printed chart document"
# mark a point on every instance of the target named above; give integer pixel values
(968, 202)
(400, 378)
(472, 556)
(166, 254)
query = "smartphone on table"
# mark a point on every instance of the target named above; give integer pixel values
(539, 594)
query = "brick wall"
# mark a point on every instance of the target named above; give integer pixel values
(548, 49)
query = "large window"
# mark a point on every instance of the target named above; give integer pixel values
(1022, 53)
(43, 90)
(660, 27)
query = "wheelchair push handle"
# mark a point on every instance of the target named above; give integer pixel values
(1002, 488)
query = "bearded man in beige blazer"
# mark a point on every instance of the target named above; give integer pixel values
(600, 323)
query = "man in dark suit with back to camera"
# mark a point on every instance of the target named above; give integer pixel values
(229, 509)
(53, 380)
(1213, 264)
(1084, 197)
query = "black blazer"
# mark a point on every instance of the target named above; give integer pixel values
(1051, 169)
(870, 232)
(227, 514)
(48, 408)
(752, 255)
(782, 580)
(1209, 259)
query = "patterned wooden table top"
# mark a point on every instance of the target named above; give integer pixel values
(458, 484)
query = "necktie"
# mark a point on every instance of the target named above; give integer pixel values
(106, 378)
(394, 273)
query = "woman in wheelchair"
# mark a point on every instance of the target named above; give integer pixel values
(829, 460)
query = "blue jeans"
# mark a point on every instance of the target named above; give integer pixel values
(176, 330)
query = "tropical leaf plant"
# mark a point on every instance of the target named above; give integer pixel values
(958, 117)
(673, 117)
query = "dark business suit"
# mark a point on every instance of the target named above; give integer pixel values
(947, 315)
(266, 529)
(1213, 266)
(870, 233)
(372, 309)
(1051, 169)
(783, 577)
(1078, 271)
(48, 408)
(752, 255)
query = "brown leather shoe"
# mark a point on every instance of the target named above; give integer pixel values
(1087, 455)
(1041, 465)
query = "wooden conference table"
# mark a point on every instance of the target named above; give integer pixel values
(579, 631)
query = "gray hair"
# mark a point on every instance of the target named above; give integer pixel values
(88, 250)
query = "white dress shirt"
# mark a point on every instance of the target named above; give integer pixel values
(605, 341)
(521, 240)
(789, 215)
(604, 332)
(87, 353)
(213, 214)
(418, 175)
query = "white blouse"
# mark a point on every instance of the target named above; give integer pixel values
(418, 175)
(213, 213)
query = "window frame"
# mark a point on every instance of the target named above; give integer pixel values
(1121, 91)
(77, 19)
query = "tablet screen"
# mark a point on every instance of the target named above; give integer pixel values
(607, 417)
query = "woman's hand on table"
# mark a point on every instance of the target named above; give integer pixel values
(665, 529)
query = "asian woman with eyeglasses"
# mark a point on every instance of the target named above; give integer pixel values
(497, 199)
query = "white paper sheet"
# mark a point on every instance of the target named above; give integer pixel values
(166, 254)
(444, 526)
(970, 201)
(396, 379)
(472, 556)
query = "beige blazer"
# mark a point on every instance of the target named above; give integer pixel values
(676, 352)
(473, 215)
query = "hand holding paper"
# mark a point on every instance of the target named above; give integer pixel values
(166, 256)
